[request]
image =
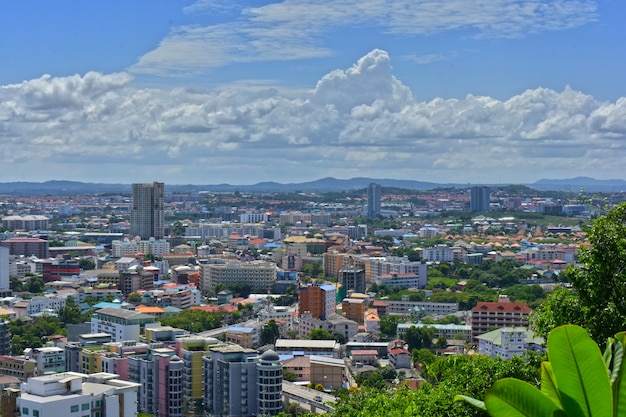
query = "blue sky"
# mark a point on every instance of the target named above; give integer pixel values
(240, 92)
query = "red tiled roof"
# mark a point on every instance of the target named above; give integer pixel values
(506, 307)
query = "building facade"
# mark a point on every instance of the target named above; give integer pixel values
(374, 194)
(147, 212)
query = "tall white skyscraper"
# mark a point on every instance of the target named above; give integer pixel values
(146, 216)
(373, 200)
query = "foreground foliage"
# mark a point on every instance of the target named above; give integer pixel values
(576, 381)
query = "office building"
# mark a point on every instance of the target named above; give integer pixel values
(319, 300)
(374, 194)
(147, 215)
(480, 198)
(77, 394)
(240, 383)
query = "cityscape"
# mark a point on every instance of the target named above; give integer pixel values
(292, 208)
(178, 303)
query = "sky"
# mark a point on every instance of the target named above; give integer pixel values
(210, 92)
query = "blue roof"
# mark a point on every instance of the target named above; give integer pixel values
(273, 245)
(240, 329)
(104, 304)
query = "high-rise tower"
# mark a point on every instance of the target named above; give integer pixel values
(146, 216)
(373, 200)
(480, 198)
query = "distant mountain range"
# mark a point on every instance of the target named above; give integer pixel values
(322, 185)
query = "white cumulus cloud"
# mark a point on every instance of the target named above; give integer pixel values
(359, 121)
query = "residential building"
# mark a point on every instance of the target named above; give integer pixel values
(352, 278)
(439, 253)
(247, 337)
(410, 280)
(59, 268)
(354, 309)
(374, 194)
(147, 215)
(238, 382)
(318, 299)
(27, 223)
(259, 275)
(329, 348)
(191, 350)
(399, 356)
(334, 323)
(160, 375)
(17, 366)
(50, 359)
(507, 342)
(27, 246)
(135, 279)
(329, 372)
(427, 308)
(487, 316)
(383, 266)
(480, 198)
(119, 323)
(69, 394)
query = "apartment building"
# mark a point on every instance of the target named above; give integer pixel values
(487, 316)
(507, 342)
(319, 300)
(405, 307)
(159, 372)
(259, 275)
(119, 323)
(240, 383)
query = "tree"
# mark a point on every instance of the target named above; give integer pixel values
(70, 312)
(599, 283)
(321, 334)
(134, 297)
(86, 264)
(388, 326)
(270, 332)
(419, 337)
(289, 375)
(35, 285)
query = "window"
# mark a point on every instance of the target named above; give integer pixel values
(24, 410)
(35, 413)
(85, 406)
(74, 408)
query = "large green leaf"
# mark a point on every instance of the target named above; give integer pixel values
(471, 400)
(580, 373)
(548, 384)
(511, 397)
(618, 375)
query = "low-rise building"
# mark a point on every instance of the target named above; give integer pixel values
(507, 342)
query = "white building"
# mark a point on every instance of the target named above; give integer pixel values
(259, 275)
(252, 217)
(50, 360)
(121, 324)
(507, 342)
(439, 253)
(398, 265)
(73, 394)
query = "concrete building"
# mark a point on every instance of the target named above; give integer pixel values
(50, 360)
(487, 316)
(26, 223)
(17, 366)
(439, 253)
(507, 342)
(191, 350)
(480, 198)
(399, 357)
(119, 323)
(247, 337)
(374, 194)
(259, 275)
(334, 323)
(352, 278)
(147, 211)
(406, 307)
(383, 266)
(240, 383)
(449, 331)
(319, 300)
(328, 348)
(27, 246)
(5, 337)
(160, 375)
(354, 309)
(69, 394)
